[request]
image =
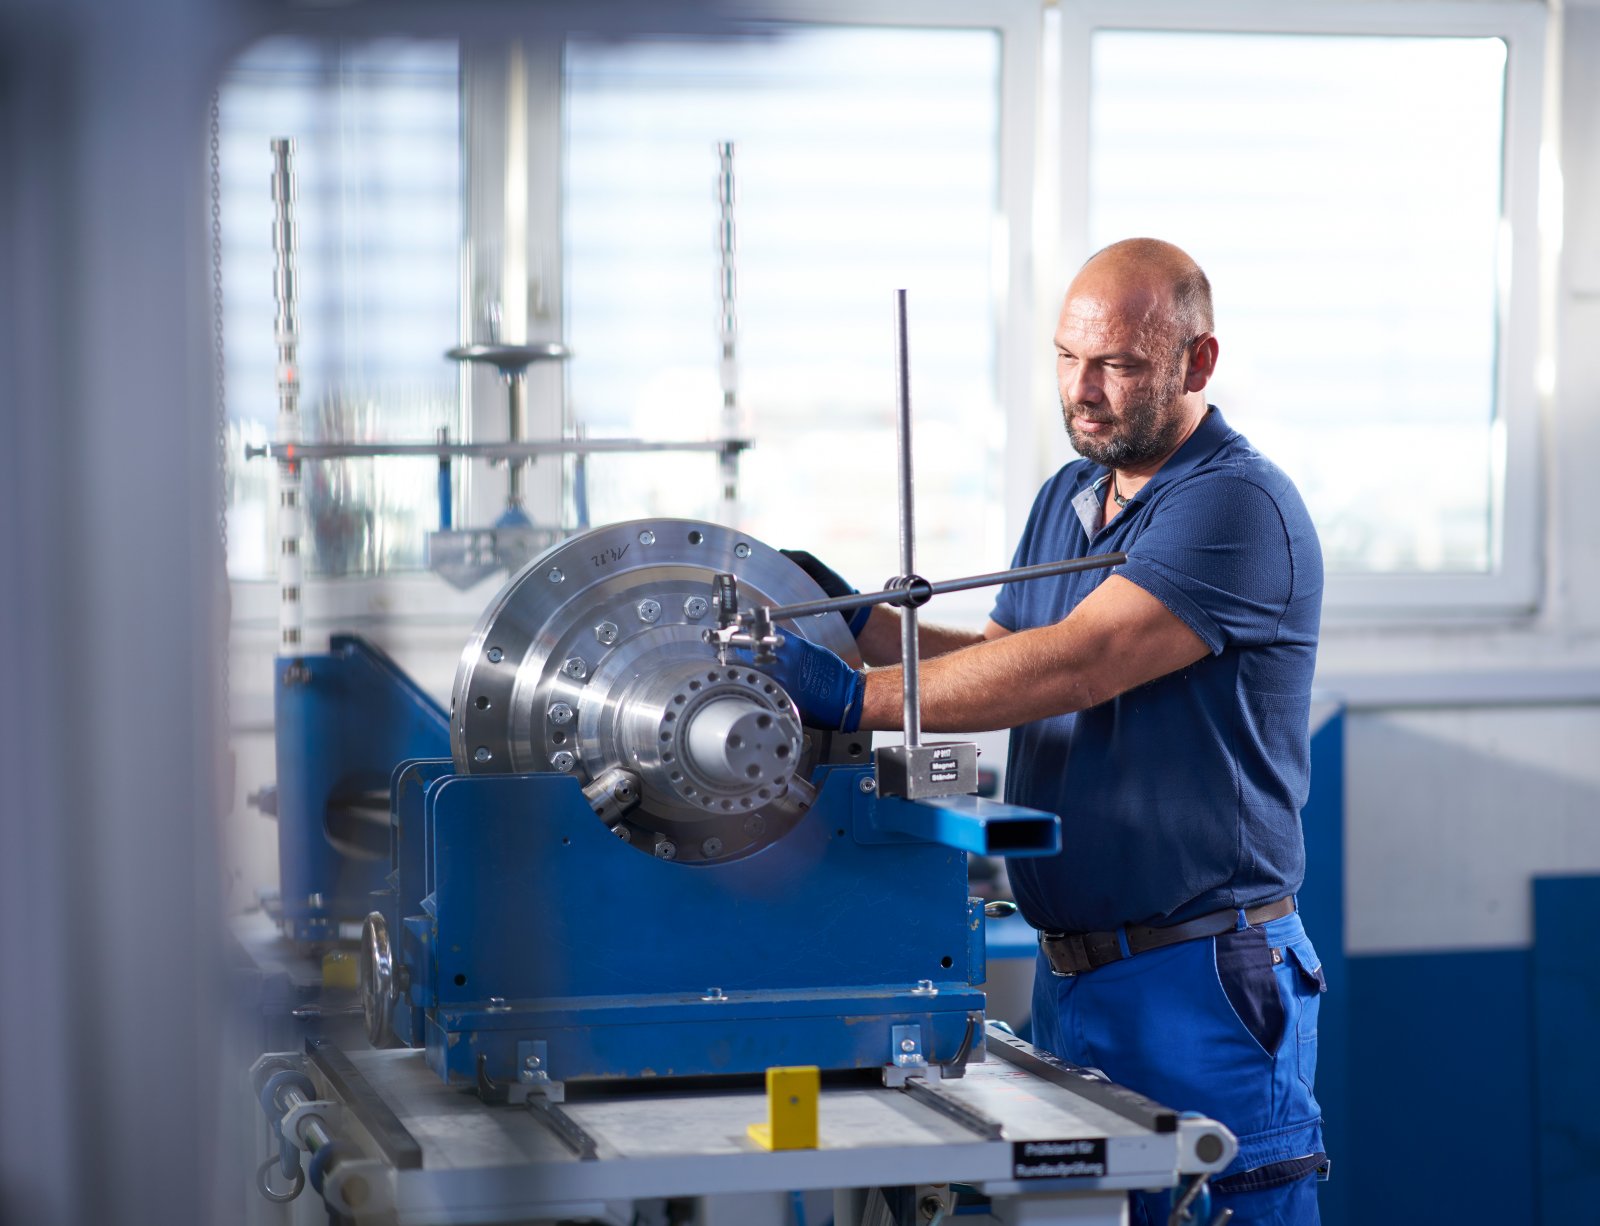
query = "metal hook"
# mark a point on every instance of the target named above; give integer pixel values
(263, 1183)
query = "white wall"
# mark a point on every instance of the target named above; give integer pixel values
(1471, 760)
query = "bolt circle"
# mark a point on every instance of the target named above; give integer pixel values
(606, 632)
(647, 537)
(741, 550)
(649, 610)
(562, 760)
(666, 850)
(560, 713)
(481, 754)
(711, 847)
(555, 574)
(576, 667)
(496, 655)
(696, 607)
(869, 785)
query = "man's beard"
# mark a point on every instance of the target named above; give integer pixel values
(1147, 430)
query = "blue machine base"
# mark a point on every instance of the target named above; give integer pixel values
(343, 719)
(682, 1036)
(522, 920)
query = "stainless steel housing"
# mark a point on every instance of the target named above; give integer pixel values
(591, 662)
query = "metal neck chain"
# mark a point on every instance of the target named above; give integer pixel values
(1116, 494)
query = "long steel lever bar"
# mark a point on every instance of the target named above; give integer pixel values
(920, 592)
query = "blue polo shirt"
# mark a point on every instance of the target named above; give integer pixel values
(1182, 796)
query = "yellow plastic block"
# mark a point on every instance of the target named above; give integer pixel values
(339, 969)
(791, 1109)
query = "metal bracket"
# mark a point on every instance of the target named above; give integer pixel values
(907, 1059)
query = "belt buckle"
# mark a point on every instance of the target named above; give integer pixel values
(1072, 944)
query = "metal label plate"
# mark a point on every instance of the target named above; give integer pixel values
(1083, 1158)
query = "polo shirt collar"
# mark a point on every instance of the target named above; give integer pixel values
(1207, 439)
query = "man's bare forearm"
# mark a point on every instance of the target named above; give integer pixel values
(1118, 638)
(880, 638)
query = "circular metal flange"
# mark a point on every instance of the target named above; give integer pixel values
(718, 749)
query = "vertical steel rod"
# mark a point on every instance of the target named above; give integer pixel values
(908, 615)
(517, 386)
(728, 332)
(286, 332)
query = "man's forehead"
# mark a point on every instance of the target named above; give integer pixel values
(1110, 314)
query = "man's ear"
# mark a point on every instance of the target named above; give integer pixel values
(1202, 363)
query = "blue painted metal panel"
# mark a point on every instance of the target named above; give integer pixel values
(1321, 902)
(541, 925)
(343, 720)
(1441, 1091)
(1566, 1034)
(982, 827)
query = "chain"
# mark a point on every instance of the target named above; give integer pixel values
(220, 374)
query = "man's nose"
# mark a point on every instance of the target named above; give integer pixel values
(1079, 385)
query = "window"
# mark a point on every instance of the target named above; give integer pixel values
(866, 160)
(378, 219)
(1352, 189)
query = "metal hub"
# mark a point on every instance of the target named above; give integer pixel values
(590, 662)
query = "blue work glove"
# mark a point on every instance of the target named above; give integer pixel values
(828, 691)
(832, 584)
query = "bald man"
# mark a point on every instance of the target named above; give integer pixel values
(1162, 710)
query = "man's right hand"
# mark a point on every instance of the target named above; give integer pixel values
(832, 583)
(826, 690)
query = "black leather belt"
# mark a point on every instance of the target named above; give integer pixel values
(1072, 953)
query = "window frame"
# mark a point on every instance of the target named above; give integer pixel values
(1512, 587)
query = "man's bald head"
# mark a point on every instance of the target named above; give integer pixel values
(1134, 353)
(1152, 278)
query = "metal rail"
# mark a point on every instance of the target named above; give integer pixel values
(292, 452)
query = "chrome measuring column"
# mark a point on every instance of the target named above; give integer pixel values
(728, 333)
(908, 618)
(286, 335)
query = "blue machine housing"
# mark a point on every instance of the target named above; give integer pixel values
(529, 936)
(343, 720)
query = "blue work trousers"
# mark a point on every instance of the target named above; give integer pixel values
(1226, 1026)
